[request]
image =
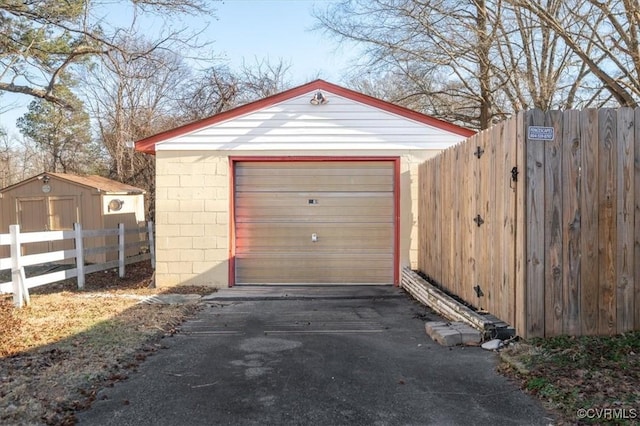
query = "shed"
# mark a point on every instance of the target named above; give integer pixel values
(55, 201)
(315, 185)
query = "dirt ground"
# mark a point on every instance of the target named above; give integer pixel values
(59, 351)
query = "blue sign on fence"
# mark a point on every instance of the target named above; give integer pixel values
(541, 133)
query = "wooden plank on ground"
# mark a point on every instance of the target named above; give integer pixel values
(625, 221)
(571, 221)
(607, 199)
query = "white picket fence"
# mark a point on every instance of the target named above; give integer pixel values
(20, 284)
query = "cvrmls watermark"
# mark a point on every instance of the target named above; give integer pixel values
(608, 413)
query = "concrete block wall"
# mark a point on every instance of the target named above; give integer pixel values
(192, 219)
(192, 214)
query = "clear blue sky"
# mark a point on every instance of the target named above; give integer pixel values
(253, 30)
(278, 29)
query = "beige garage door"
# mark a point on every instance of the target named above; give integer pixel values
(314, 222)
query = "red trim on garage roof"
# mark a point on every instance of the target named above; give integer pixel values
(148, 145)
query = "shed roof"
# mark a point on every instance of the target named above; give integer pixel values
(148, 145)
(93, 181)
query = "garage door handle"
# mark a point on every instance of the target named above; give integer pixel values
(314, 238)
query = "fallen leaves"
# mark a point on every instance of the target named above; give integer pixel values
(572, 373)
(57, 353)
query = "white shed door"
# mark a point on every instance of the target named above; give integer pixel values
(314, 222)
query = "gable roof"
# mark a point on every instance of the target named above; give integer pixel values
(93, 181)
(148, 145)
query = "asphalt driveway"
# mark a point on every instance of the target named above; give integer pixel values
(356, 356)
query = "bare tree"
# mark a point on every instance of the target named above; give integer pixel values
(20, 158)
(219, 88)
(470, 61)
(263, 78)
(132, 98)
(432, 51)
(215, 90)
(604, 35)
(40, 41)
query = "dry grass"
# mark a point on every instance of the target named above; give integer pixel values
(571, 374)
(58, 352)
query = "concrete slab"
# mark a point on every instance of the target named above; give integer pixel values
(324, 361)
(295, 292)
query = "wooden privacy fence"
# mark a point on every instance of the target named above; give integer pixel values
(537, 221)
(20, 284)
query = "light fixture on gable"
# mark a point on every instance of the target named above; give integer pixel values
(115, 205)
(318, 99)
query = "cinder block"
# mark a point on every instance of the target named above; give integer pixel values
(451, 334)
(167, 280)
(205, 217)
(191, 255)
(447, 337)
(190, 181)
(468, 334)
(216, 181)
(212, 205)
(216, 255)
(431, 325)
(167, 181)
(191, 230)
(222, 218)
(216, 230)
(204, 243)
(191, 205)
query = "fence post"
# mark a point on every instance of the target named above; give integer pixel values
(152, 244)
(79, 254)
(121, 247)
(18, 278)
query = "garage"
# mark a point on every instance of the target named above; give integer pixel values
(315, 222)
(317, 184)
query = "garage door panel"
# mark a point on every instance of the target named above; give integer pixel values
(326, 277)
(319, 214)
(300, 239)
(361, 200)
(324, 244)
(350, 206)
(318, 167)
(312, 181)
(292, 257)
(293, 186)
(265, 232)
(312, 275)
